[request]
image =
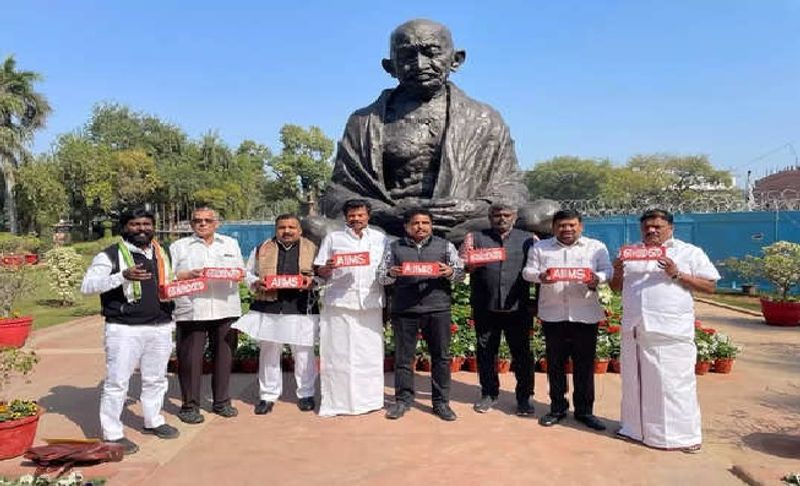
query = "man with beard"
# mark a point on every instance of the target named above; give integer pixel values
(285, 315)
(139, 326)
(570, 312)
(659, 389)
(499, 297)
(351, 322)
(422, 267)
(209, 313)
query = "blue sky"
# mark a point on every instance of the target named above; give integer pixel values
(591, 79)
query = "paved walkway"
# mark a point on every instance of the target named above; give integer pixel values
(750, 424)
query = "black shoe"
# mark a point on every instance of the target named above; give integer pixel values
(264, 407)
(163, 431)
(484, 404)
(591, 421)
(552, 419)
(306, 404)
(226, 410)
(190, 416)
(128, 447)
(524, 409)
(444, 412)
(396, 410)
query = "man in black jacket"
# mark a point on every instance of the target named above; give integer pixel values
(499, 297)
(421, 266)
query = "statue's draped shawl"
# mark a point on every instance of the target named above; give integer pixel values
(477, 161)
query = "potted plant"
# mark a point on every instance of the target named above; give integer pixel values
(602, 353)
(705, 342)
(18, 418)
(724, 354)
(538, 355)
(746, 269)
(388, 348)
(19, 250)
(780, 265)
(423, 356)
(470, 360)
(14, 283)
(503, 356)
(458, 347)
(246, 355)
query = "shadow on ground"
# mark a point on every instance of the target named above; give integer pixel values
(776, 444)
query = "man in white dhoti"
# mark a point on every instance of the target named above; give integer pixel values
(659, 394)
(281, 316)
(351, 323)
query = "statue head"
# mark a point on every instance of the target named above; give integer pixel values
(422, 56)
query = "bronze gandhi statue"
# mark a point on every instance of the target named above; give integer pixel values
(427, 144)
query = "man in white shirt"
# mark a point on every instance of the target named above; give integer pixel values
(659, 392)
(209, 313)
(569, 268)
(351, 320)
(138, 330)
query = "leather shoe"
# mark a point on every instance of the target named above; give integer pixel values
(264, 407)
(190, 416)
(306, 404)
(396, 410)
(163, 431)
(227, 411)
(552, 419)
(591, 421)
(444, 412)
(524, 409)
(484, 404)
(128, 446)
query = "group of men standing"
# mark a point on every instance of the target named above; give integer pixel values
(355, 269)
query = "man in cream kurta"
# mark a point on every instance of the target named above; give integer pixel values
(659, 394)
(351, 321)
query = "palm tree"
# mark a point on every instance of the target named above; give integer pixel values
(22, 112)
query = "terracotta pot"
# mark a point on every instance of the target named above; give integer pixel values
(12, 260)
(568, 366)
(723, 365)
(542, 364)
(455, 363)
(16, 436)
(702, 367)
(31, 258)
(248, 365)
(614, 365)
(778, 313)
(600, 366)
(14, 331)
(388, 363)
(503, 365)
(471, 364)
(424, 364)
(172, 364)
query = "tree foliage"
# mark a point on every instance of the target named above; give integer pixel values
(304, 165)
(40, 194)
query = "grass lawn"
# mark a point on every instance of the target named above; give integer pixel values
(738, 300)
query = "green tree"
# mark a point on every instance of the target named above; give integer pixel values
(23, 110)
(567, 177)
(40, 194)
(304, 164)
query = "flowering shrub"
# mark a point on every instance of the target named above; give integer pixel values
(74, 478)
(705, 342)
(724, 348)
(65, 271)
(16, 362)
(780, 264)
(247, 347)
(388, 340)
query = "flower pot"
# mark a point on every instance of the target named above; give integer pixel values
(455, 363)
(600, 366)
(542, 365)
(388, 363)
(777, 313)
(12, 260)
(503, 365)
(614, 365)
(16, 436)
(424, 364)
(702, 367)
(723, 365)
(14, 331)
(31, 258)
(248, 365)
(471, 364)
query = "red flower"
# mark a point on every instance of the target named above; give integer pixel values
(607, 312)
(698, 324)
(531, 332)
(471, 322)
(603, 323)
(419, 335)
(453, 328)
(613, 329)
(709, 331)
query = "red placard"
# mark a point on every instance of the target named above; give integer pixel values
(569, 274)
(422, 269)
(360, 259)
(274, 282)
(480, 256)
(223, 273)
(638, 252)
(180, 288)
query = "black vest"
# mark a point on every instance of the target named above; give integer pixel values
(148, 310)
(499, 286)
(290, 301)
(418, 295)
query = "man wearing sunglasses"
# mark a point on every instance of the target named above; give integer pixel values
(209, 313)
